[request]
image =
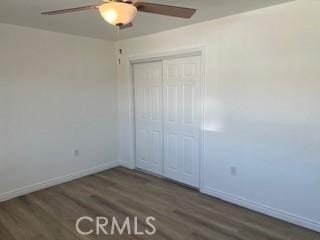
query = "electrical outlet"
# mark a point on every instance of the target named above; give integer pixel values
(76, 153)
(233, 171)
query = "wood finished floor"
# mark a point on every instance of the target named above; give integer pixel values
(181, 213)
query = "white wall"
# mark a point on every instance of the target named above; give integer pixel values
(262, 106)
(58, 93)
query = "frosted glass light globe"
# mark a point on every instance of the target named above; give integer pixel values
(118, 13)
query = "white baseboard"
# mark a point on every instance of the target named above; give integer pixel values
(285, 216)
(55, 181)
(126, 165)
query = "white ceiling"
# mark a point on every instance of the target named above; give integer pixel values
(89, 23)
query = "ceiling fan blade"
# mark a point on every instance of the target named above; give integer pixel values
(129, 25)
(173, 11)
(69, 10)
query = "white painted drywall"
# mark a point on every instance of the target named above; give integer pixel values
(58, 93)
(262, 106)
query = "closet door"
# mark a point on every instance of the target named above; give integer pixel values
(182, 111)
(149, 116)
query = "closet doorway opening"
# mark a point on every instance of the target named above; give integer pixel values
(168, 103)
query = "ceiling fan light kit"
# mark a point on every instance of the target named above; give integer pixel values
(118, 13)
(122, 12)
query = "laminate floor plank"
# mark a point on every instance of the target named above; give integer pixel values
(4, 233)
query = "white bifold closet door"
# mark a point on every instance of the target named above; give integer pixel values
(168, 115)
(149, 116)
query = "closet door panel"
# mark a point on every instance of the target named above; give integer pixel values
(182, 109)
(148, 116)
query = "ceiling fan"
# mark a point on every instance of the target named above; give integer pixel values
(122, 12)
